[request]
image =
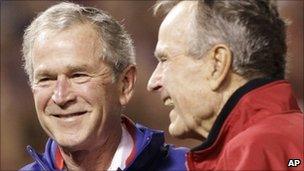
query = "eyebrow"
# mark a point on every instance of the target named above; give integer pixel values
(78, 68)
(42, 72)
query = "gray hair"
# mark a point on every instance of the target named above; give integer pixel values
(117, 46)
(252, 29)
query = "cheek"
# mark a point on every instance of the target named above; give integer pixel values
(171, 78)
(41, 98)
(177, 84)
(92, 92)
(188, 93)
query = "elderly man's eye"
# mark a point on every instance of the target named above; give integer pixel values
(45, 79)
(162, 60)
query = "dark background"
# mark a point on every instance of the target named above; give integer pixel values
(19, 125)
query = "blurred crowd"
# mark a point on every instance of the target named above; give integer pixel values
(19, 125)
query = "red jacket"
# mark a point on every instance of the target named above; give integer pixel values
(259, 128)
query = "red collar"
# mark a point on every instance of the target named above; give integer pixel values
(59, 164)
(267, 96)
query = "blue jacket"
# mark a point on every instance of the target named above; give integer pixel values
(151, 153)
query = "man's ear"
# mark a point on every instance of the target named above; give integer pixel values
(128, 79)
(221, 58)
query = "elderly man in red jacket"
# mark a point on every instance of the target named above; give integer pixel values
(221, 69)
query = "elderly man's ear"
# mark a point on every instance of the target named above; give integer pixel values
(127, 83)
(221, 58)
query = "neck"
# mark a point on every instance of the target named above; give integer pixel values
(234, 82)
(221, 96)
(95, 157)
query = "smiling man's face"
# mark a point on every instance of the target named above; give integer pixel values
(76, 100)
(180, 78)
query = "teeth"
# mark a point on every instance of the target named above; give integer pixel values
(169, 102)
(70, 115)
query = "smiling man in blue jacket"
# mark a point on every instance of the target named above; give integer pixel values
(81, 67)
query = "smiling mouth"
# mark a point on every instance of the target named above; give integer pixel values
(69, 115)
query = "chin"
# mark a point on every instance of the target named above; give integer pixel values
(177, 132)
(70, 142)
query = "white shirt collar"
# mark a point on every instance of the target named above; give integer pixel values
(123, 151)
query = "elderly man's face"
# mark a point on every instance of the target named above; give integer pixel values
(76, 100)
(180, 78)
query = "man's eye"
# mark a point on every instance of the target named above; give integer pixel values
(80, 77)
(162, 60)
(77, 75)
(44, 79)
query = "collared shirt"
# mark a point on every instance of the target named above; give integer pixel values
(123, 151)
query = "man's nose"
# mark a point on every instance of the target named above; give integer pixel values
(155, 81)
(62, 92)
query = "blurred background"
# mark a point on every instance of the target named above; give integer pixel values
(19, 125)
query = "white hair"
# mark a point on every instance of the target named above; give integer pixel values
(253, 30)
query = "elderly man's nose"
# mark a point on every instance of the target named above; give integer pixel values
(155, 81)
(62, 92)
